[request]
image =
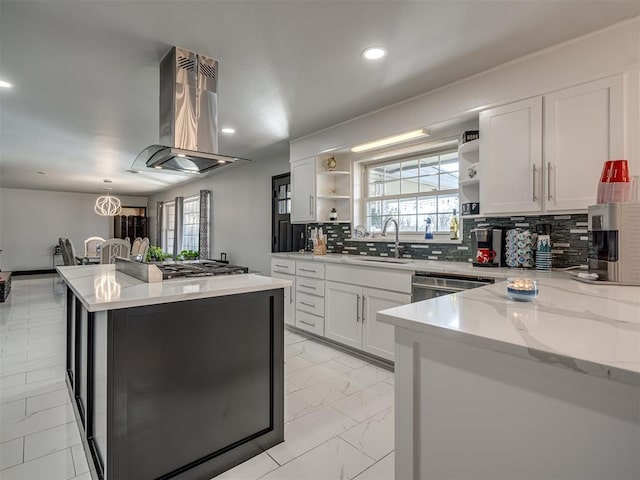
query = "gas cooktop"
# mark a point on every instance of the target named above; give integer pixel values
(198, 268)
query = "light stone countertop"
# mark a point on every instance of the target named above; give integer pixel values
(100, 287)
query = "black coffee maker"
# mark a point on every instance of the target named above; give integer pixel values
(486, 247)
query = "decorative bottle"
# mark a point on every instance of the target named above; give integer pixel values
(333, 215)
(428, 231)
(454, 228)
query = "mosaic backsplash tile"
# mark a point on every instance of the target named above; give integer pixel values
(569, 238)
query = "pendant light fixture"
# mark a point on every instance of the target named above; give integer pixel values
(107, 205)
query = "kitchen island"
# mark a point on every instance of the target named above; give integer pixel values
(487, 387)
(178, 379)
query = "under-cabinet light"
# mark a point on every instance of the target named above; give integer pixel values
(383, 142)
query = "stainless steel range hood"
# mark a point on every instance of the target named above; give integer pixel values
(188, 117)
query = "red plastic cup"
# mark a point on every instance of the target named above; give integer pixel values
(619, 171)
(606, 171)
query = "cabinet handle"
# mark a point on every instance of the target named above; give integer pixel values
(363, 307)
(307, 323)
(311, 205)
(548, 180)
(307, 270)
(307, 286)
(358, 309)
(307, 304)
(535, 198)
(291, 294)
(278, 265)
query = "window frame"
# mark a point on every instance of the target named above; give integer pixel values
(366, 198)
(195, 199)
(168, 226)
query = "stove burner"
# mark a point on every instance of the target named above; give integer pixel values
(199, 268)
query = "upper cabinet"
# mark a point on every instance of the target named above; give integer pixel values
(534, 161)
(321, 189)
(511, 157)
(583, 127)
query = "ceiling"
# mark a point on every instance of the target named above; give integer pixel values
(85, 72)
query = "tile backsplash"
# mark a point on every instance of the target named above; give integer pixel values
(569, 238)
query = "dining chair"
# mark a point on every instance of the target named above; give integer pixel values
(71, 254)
(112, 248)
(90, 245)
(63, 250)
(136, 246)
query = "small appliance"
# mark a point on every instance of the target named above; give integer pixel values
(486, 247)
(615, 232)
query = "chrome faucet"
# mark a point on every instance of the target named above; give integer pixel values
(384, 233)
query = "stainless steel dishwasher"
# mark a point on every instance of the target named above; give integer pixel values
(427, 285)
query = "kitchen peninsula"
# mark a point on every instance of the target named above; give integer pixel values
(176, 379)
(487, 387)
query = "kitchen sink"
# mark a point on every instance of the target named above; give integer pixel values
(383, 260)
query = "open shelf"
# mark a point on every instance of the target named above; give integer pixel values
(471, 181)
(331, 197)
(469, 147)
(333, 172)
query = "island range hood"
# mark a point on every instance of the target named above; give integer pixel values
(188, 117)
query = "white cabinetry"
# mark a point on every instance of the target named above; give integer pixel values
(310, 299)
(351, 308)
(316, 190)
(511, 157)
(285, 270)
(581, 126)
(468, 154)
(303, 190)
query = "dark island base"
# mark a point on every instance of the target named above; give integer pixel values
(184, 390)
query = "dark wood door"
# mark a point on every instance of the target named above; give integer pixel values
(285, 236)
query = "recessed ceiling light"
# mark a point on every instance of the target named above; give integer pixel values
(228, 130)
(374, 53)
(383, 142)
(181, 155)
(4, 84)
(158, 167)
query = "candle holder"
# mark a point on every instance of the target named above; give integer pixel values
(522, 289)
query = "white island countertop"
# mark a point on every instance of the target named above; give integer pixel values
(592, 329)
(100, 287)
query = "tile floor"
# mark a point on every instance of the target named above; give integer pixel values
(338, 408)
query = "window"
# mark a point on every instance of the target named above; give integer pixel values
(412, 190)
(284, 199)
(168, 227)
(191, 223)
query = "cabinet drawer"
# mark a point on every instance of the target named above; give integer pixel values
(310, 303)
(313, 286)
(310, 269)
(310, 323)
(281, 265)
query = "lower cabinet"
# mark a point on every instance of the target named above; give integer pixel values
(350, 317)
(289, 297)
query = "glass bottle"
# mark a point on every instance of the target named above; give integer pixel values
(454, 227)
(428, 231)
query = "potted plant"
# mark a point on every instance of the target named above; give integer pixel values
(189, 255)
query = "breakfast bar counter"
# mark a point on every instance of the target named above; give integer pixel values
(488, 387)
(179, 379)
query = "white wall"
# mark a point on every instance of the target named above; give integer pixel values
(241, 204)
(32, 220)
(599, 54)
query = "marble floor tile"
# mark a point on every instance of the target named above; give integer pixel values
(56, 466)
(51, 440)
(79, 460)
(11, 453)
(374, 436)
(358, 379)
(16, 408)
(381, 470)
(30, 389)
(290, 387)
(6, 360)
(351, 361)
(45, 419)
(52, 373)
(47, 400)
(334, 459)
(13, 380)
(291, 364)
(318, 373)
(308, 399)
(309, 431)
(23, 367)
(368, 402)
(252, 469)
(313, 351)
(293, 337)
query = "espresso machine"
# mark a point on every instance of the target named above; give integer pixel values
(615, 235)
(486, 247)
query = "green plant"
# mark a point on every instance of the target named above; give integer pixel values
(188, 255)
(155, 254)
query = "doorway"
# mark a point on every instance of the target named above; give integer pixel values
(285, 236)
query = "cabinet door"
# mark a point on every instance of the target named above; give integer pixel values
(378, 338)
(303, 190)
(289, 297)
(511, 158)
(342, 314)
(583, 127)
